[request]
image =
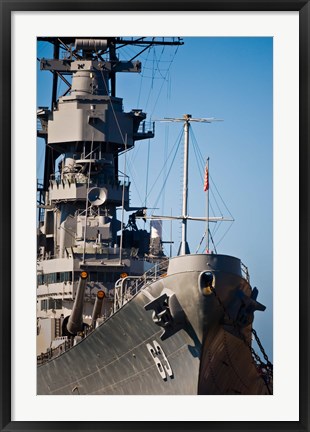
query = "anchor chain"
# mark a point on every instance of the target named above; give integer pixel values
(260, 346)
(266, 369)
(269, 365)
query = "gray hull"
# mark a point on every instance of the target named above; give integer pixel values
(115, 360)
(198, 354)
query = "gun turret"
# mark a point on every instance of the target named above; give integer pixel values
(75, 322)
(97, 307)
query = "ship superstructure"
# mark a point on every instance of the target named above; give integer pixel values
(114, 314)
(85, 131)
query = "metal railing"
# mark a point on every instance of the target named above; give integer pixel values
(55, 352)
(245, 272)
(146, 127)
(126, 288)
(42, 126)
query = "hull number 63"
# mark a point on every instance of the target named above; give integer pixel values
(160, 359)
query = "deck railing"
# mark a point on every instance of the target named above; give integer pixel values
(245, 272)
(126, 288)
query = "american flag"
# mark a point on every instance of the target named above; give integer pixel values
(206, 180)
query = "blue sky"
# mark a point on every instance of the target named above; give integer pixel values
(226, 78)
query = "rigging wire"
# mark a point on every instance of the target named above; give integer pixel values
(222, 199)
(133, 173)
(201, 241)
(199, 151)
(200, 161)
(116, 120)
(213, 183)
(201, 169)
(165, 158)
(111, 104)
(159, 93)
(176, 144)
(139, 94)
(165, 181)
(230, 225)
(141, 80)
(158, 61)
(147, 173)
(211, 237)
(155, 70)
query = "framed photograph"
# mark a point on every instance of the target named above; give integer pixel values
(154, 284)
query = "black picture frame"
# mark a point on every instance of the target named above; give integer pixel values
(7, 7)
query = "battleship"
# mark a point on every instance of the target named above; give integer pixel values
(115, 315)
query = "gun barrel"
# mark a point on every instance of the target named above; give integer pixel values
(75, 322)
(97, 307)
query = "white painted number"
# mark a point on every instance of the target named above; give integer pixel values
(160, 359)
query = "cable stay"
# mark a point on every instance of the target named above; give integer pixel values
(214, 193)
(202, 239)
(184, 217)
